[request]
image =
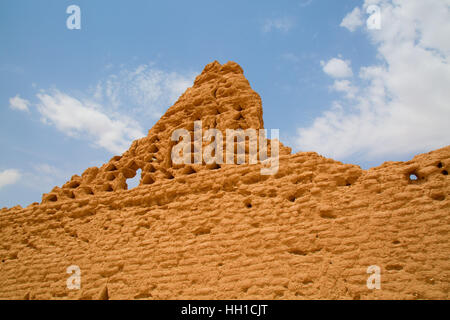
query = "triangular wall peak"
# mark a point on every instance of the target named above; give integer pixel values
(221, 98)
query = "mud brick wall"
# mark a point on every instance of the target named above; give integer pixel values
(225, 232)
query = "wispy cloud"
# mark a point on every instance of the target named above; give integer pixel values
(402, 102)
(353, 20)
(346, 87)
(337, 68)
(144, 91)
(9, 176)
(85, 118)
(17, 103)
(111, 114)
(283, 24)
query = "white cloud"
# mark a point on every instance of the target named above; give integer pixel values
(346, 87)
(337, 68)
(73, 117)
(353, 20)
(9, 176)
(402, 105)
(145, 91)
(17, 103)
(281, 24)
(110, 113)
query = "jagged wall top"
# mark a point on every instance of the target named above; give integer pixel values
(221, 98)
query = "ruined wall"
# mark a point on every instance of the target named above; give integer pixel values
(221, 98)
(225, 232)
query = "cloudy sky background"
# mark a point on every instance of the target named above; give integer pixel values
(71, 99)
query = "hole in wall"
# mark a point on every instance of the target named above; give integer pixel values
(133, 165)
(111, 167)
(297, 252)
(202, 231)
(445, 172)
(134, 182)
(74, 184)
(189, 170)
(169, 175)
(143, 295)
(438, 196)
(213, 166)
(153, 149)
(396, 267)
(439, 165)
(52, 198)
(413, 177)
(148, 179)
(154, 138)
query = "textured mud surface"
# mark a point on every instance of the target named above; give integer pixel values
(226, 231)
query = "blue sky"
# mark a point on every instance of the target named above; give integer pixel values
(71, 99)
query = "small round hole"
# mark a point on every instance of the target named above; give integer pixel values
(413, 177)
(445, 172)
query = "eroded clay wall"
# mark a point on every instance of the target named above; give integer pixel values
(309, 231)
